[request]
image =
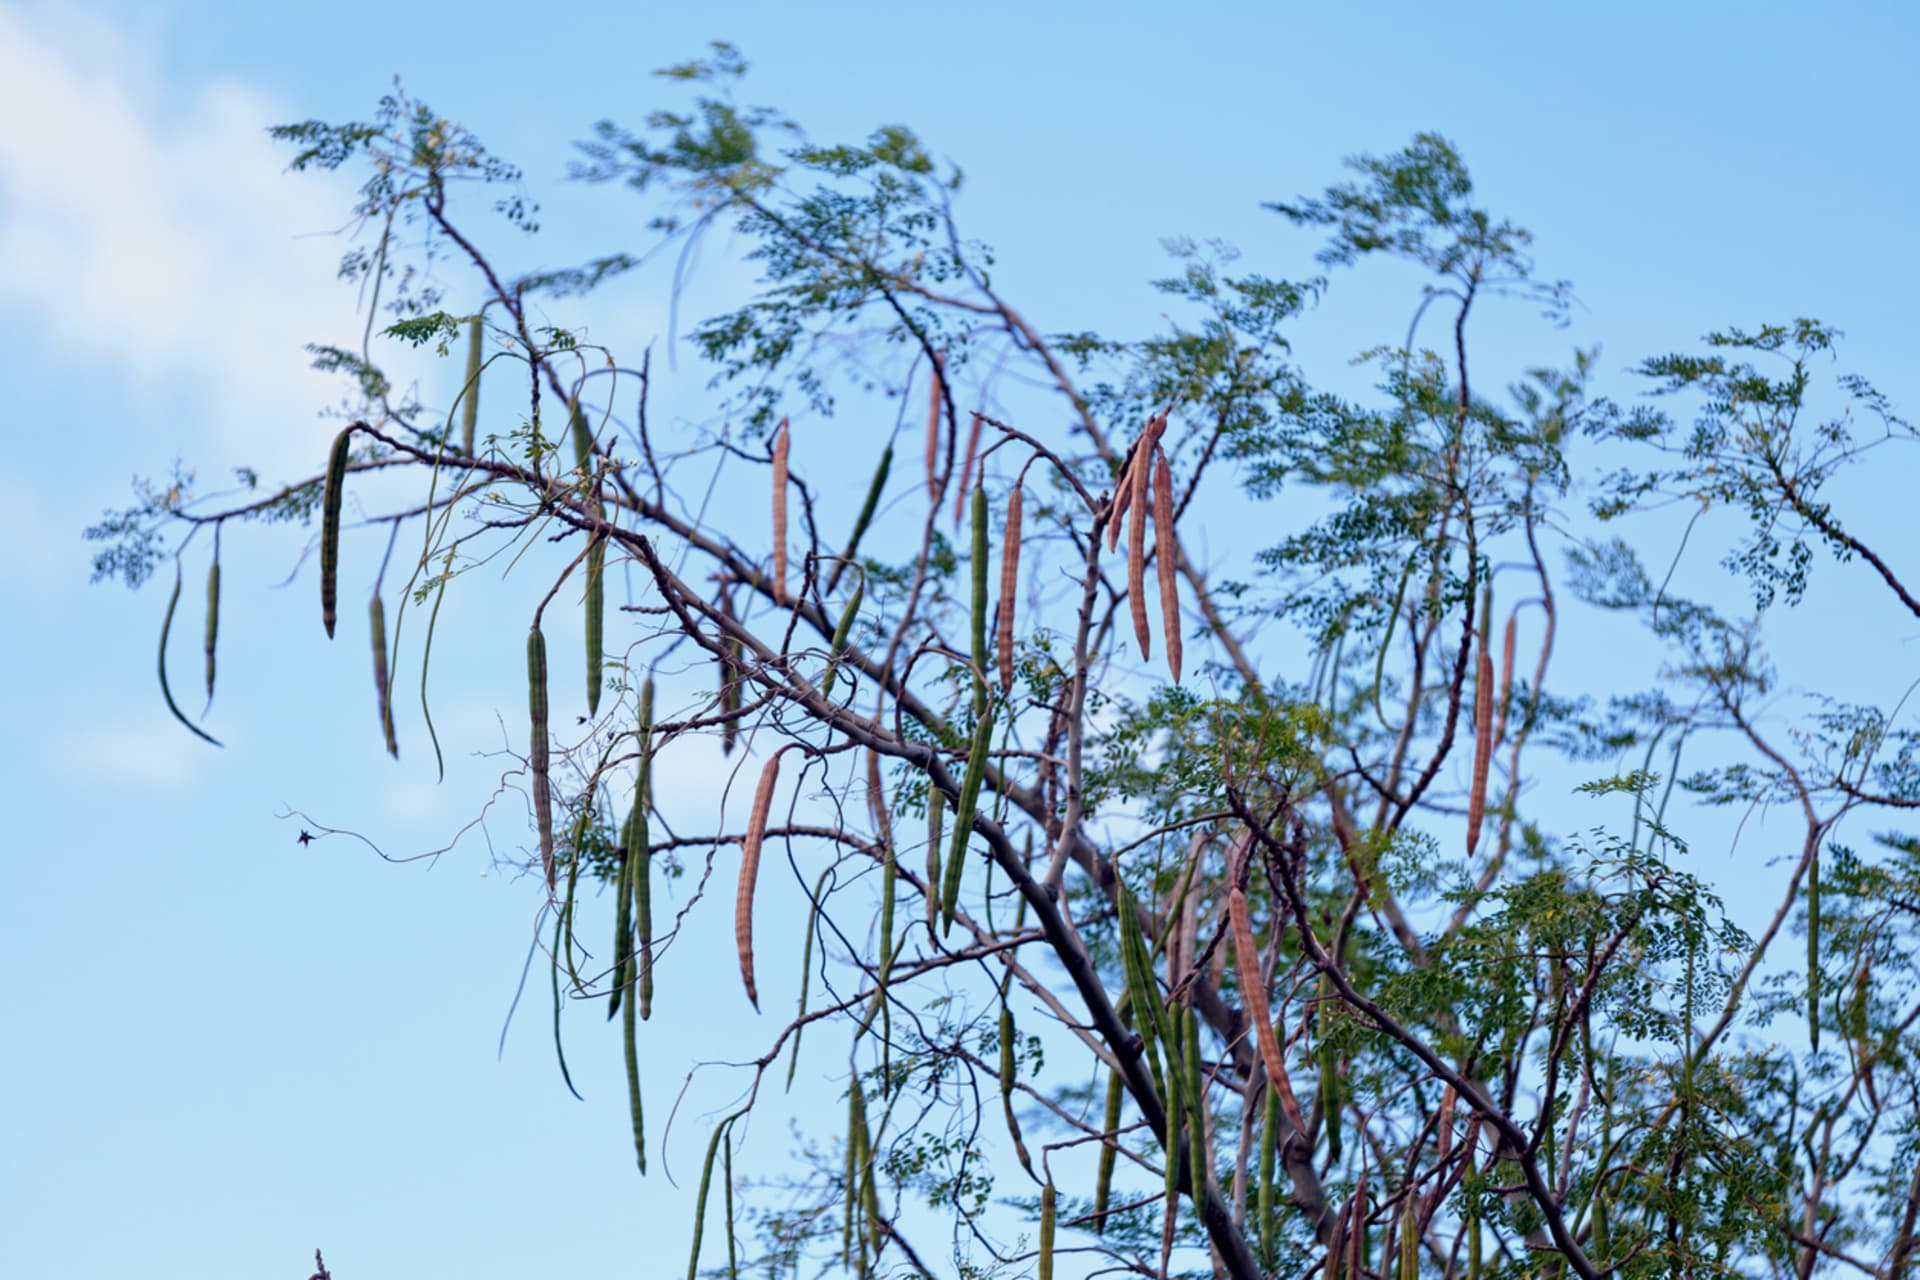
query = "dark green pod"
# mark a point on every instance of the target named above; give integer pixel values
(213, 620)
(963, 821)
(700, 1201)
(639, 845)
(1103, 1178)
(537, 748)
(1047, 1214)
(383, 688)
(470, 394)
(840, 633)
(1813, 951)
(330, 527)
(166, 626)
(980, 656)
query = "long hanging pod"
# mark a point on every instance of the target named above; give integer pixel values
(377, 624)
(537, 748)
(781, 442)
(213, 613)
(750, 873)
(700, 1201)
(1166, 552)
(1137, 551)
(1048, 1211)
(166, 691)
(1109, 1150)
(1009, 588)
(935, 809)
(838, 645)
(1269, 1152)
(470, 394)
(1253, 990)
(1813, 950)
(639, 847)
(865, 517)
(1482, 730)
(936, 396)
(596, 601)
(1506, 680)
(330, 527)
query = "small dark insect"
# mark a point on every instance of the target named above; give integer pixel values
(305, 836)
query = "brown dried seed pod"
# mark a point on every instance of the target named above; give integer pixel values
(750, 873)
(1009, 587)
(1253, 990)
(936, 397)
(780, 444)
(1482, 742)
(1123, 483)
(1137, 555)
(966, 468)
(1165, 553)
(1506, 680)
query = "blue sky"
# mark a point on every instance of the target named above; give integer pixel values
(223, 1049)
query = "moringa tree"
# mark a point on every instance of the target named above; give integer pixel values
(1215, 888)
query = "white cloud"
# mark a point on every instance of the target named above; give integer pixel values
(163, 238)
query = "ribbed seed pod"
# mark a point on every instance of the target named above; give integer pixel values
(630, 1048)
(806, 969)
(1357, 1229)
(729, 680)
(1198, 1158)
(537, 748)
(750, 873)
(1123, 483)
(622, 929)
(840, 634)
(1253, 990)
(979, 617)
(1137, 542)
(1009, 588)
(963, 822)
(596, 596)
(639, 845)
(1482, 741)
(1103, 1175)
(1332, 1105)
(700, 1201)
(936, 397)
(1409, 1240)
(383, 690)
(781, 443)
(1166, 552)
(330, 527)
(1506, 681)
(470, 394)
(213, 619)
(166, 691)
(935, 810)
(1008, 1073)
(1047, 1213)
(966, 467)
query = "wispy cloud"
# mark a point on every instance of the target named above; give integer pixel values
(159, 237)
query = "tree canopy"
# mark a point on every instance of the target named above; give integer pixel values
(1206, 867)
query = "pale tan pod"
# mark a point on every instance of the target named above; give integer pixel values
(1253, 990)
(1165, 553)
(1009, 587)
(750, 873)
(1137, 549)
(1482, 742)
(780, 444)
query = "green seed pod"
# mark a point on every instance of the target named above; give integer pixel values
(1047, 1212)
(166, 626)
(383, 688)
(806, 969)
(1008, 1073)
(1331, 1103)
(726, 1172)
(213, 619)
(1269, 1151)
(963, 821)
(980, 654)
(639, 846)
(700, 1201)
(1198, 1157)
(865, 517)
(596, 606)
(1103, 1177)
(628, 1044)
(1409, 1240)
(470, 394)
(622, 932)
(559, 1049)
(840, 633)
(537, 748)
(936, 808)
(330, 527)
(1813, 950)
